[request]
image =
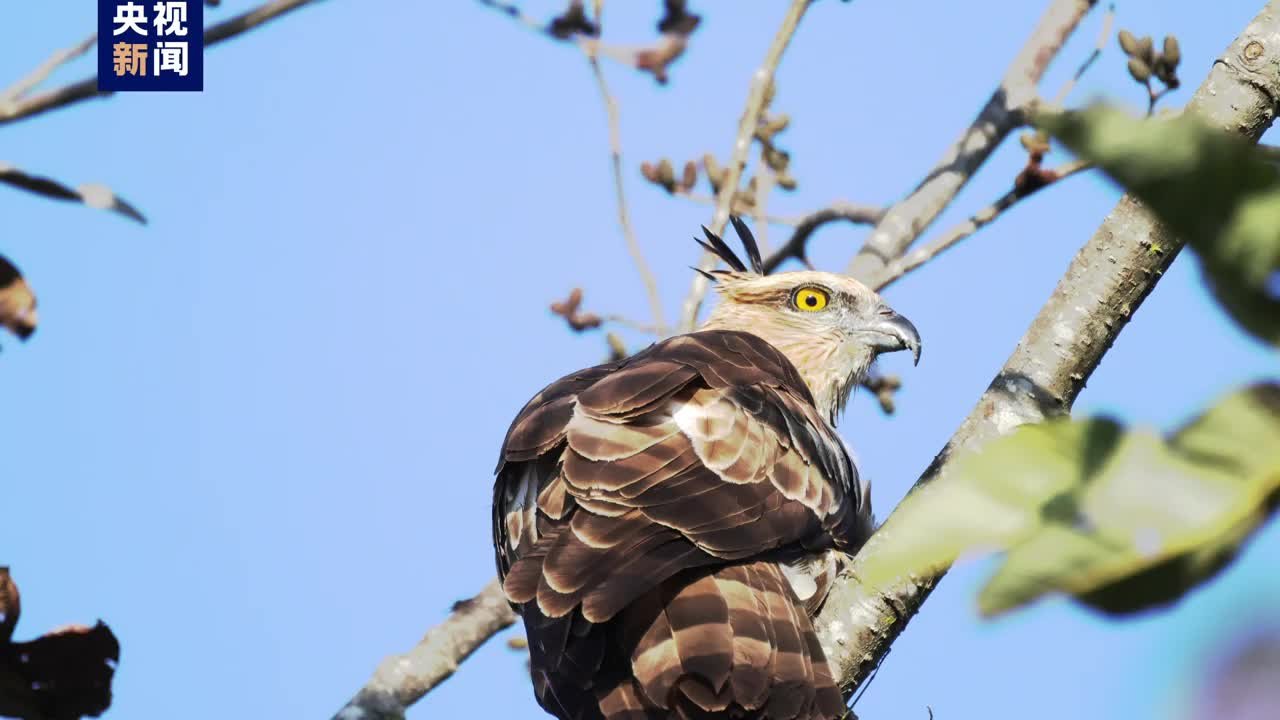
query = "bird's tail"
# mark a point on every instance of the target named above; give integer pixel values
(732, 642)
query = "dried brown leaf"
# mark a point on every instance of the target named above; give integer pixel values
(17, 301)
(63, 675)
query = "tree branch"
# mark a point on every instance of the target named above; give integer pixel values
(28, 83)
(904, 264)
(1108, 279)
(653, 58)
(88, 88)
(624, 217)
(856, 213)
(401, 680)
(1003, 113)
(1104, 36)
(761, 88)
(797, 246)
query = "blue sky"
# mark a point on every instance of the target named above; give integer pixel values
(257, 435)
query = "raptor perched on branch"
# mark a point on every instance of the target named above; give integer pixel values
(665, 523)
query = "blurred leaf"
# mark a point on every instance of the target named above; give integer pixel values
(63, 675)
(1215, 190)
(93, 194)
(17, 301)
(1121, 519)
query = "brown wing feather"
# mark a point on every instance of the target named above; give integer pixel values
(734, 642)
(616, 481)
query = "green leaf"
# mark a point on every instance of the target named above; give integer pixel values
(1123, 520)
(1215, 190)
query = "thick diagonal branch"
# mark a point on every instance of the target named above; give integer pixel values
(1003, 113)
(1106, 282)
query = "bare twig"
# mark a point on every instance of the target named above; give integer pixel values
(617, 348)
(624, 218)
(88, 88)
(1109, 278)
(1030, 181)
(19, 89)
(915, 258)
(791, 221)
(402, 680)
(639, 327)
(1003, 113)
(761, 85)
(797, 245)
(653, 58)
(94, 195)
(1154, 96)
(760, 209)
(1104, 35)
(251, 19)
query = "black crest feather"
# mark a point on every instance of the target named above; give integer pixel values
(720, 249)
(748, 242)
(703, 273)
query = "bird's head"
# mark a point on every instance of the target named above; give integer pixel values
(830, 326)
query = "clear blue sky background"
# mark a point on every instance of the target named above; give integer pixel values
(257, 435)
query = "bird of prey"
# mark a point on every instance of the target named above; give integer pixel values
(665, 524)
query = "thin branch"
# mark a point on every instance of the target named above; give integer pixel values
(653, 58)
(593, 49)
(639, 327)
(757, 97)
(915, 258)
(1003, 113)
(624, 218)
(797, 245)
(25, 85)
(251, 19)
(88, 88)
(792, 221)
(94, 195)
(1104, 35)
(401, 680)
(1030, 181)
(1106, 282)
(760, 208)
(803, 226)
(1153, 97)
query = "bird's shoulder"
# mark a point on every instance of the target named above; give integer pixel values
(729, 361)
(724, 406)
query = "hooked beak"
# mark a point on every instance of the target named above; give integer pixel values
(890, 332)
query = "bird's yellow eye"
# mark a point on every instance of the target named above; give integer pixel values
(810, 299)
